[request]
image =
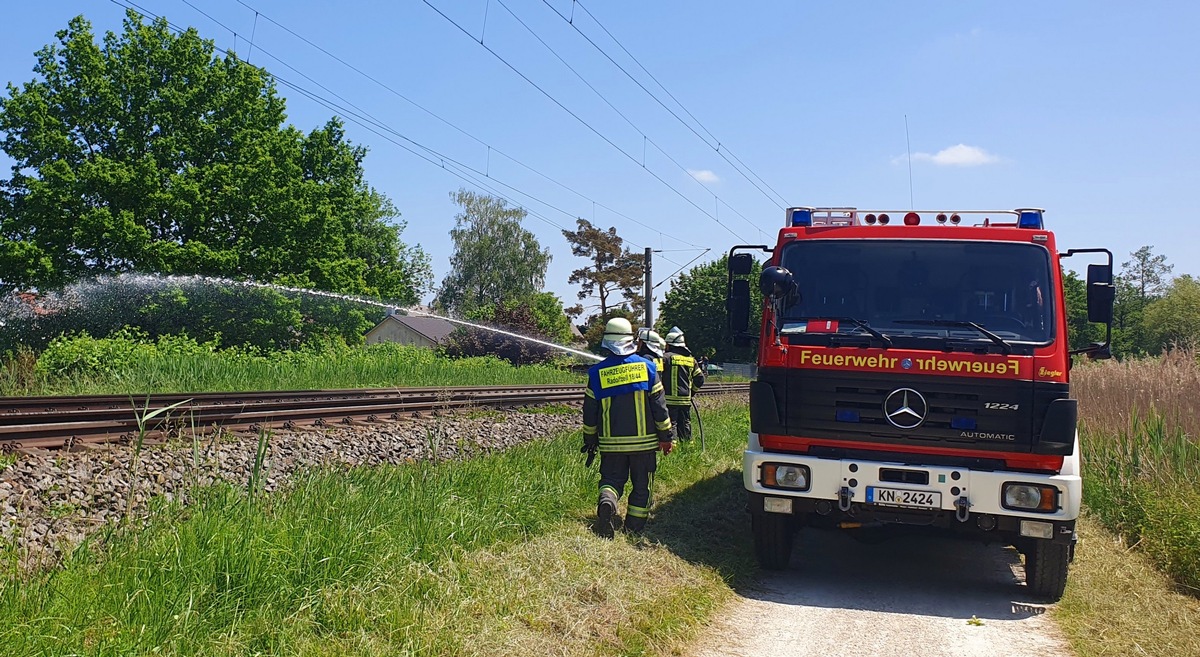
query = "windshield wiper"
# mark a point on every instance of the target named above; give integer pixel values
(862, 324)
(1004, 345)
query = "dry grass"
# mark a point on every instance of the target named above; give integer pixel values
(1118, 604)
(568, 594)
(1111, 393)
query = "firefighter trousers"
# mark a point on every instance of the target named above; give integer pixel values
(681, 419)
(638, 468)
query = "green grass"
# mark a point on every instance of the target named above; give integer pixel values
(489, 556)
(119, 367)
(1143, 483)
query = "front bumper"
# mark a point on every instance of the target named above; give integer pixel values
(971, 500)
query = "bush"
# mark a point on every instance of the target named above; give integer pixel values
(83, 355)
(227, 312)
(518, 318)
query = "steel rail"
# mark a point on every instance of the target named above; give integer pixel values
(52, 404)
(57, 422)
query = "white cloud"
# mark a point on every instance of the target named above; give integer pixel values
(704, 175)
(959, 155)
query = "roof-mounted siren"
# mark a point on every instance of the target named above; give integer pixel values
(801, 216)
(1029, 218)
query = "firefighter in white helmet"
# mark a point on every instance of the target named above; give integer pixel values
(681, 377)
(650, 347)
(624, 417)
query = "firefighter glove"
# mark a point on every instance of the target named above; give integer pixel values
(666, 446)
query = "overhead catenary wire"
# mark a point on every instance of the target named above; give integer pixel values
(714, 144)
(359, 116)
(373, 126)
(646, 140)
(681, 268)
(578, 118)
(490, 147)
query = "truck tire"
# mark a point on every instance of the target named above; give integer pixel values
(1046, 569)
(772, 540)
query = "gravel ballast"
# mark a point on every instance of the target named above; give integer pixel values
(51, 500)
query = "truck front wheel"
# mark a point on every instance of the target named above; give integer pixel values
(1046, 569)
(773, 540)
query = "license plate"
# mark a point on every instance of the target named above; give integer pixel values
(912, 499)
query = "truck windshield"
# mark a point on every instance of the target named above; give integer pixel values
(1003, 287)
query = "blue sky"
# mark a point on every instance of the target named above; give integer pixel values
(1086, 109)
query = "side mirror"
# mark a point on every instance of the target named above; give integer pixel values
(738, 306)
(741, 264)
(1101, 293)
(776, 283)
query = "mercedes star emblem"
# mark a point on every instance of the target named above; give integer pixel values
(905, 408)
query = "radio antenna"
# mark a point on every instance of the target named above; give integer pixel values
(908, 144)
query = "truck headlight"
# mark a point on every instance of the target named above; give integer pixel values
(1030, 497)
(781, 475)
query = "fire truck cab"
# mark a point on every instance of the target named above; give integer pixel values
(913, 372)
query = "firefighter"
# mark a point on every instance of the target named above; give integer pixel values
(650, 347)
(625, 418)
(681, 377)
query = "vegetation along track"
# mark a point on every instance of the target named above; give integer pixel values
(63, 422)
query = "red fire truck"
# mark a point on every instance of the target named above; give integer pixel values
(913, 372)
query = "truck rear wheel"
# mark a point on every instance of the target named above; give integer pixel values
(1046, 569)
(773, 540)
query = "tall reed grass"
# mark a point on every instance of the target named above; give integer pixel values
(1140, 433)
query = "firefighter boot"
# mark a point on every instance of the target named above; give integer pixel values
(634, 524)
(606, 513)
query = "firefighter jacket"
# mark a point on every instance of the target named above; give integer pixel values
(658, 362)
(681, 377)
(624, 407)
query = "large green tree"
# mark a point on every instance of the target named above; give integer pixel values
(696, 304)
(1173, 320)
(496, 260)
(1142, 279)
(147, 152)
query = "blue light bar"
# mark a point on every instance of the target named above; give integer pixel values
(962, 423)
(1030, 218)
(847, 416)
(800, 216)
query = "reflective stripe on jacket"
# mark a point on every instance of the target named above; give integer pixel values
(682, 377)
(658, 362)
(623, 404)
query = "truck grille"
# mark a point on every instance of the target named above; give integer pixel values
(973, 413)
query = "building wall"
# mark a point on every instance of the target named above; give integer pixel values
(393, 331)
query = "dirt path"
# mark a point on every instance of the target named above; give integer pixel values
(909, 596)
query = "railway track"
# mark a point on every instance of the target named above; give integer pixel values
(72, 422)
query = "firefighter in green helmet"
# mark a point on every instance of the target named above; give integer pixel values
(625, 418)
(682, 376)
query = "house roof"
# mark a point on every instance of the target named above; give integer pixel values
(434, 328)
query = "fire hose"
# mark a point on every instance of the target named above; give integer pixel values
(699, 423)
